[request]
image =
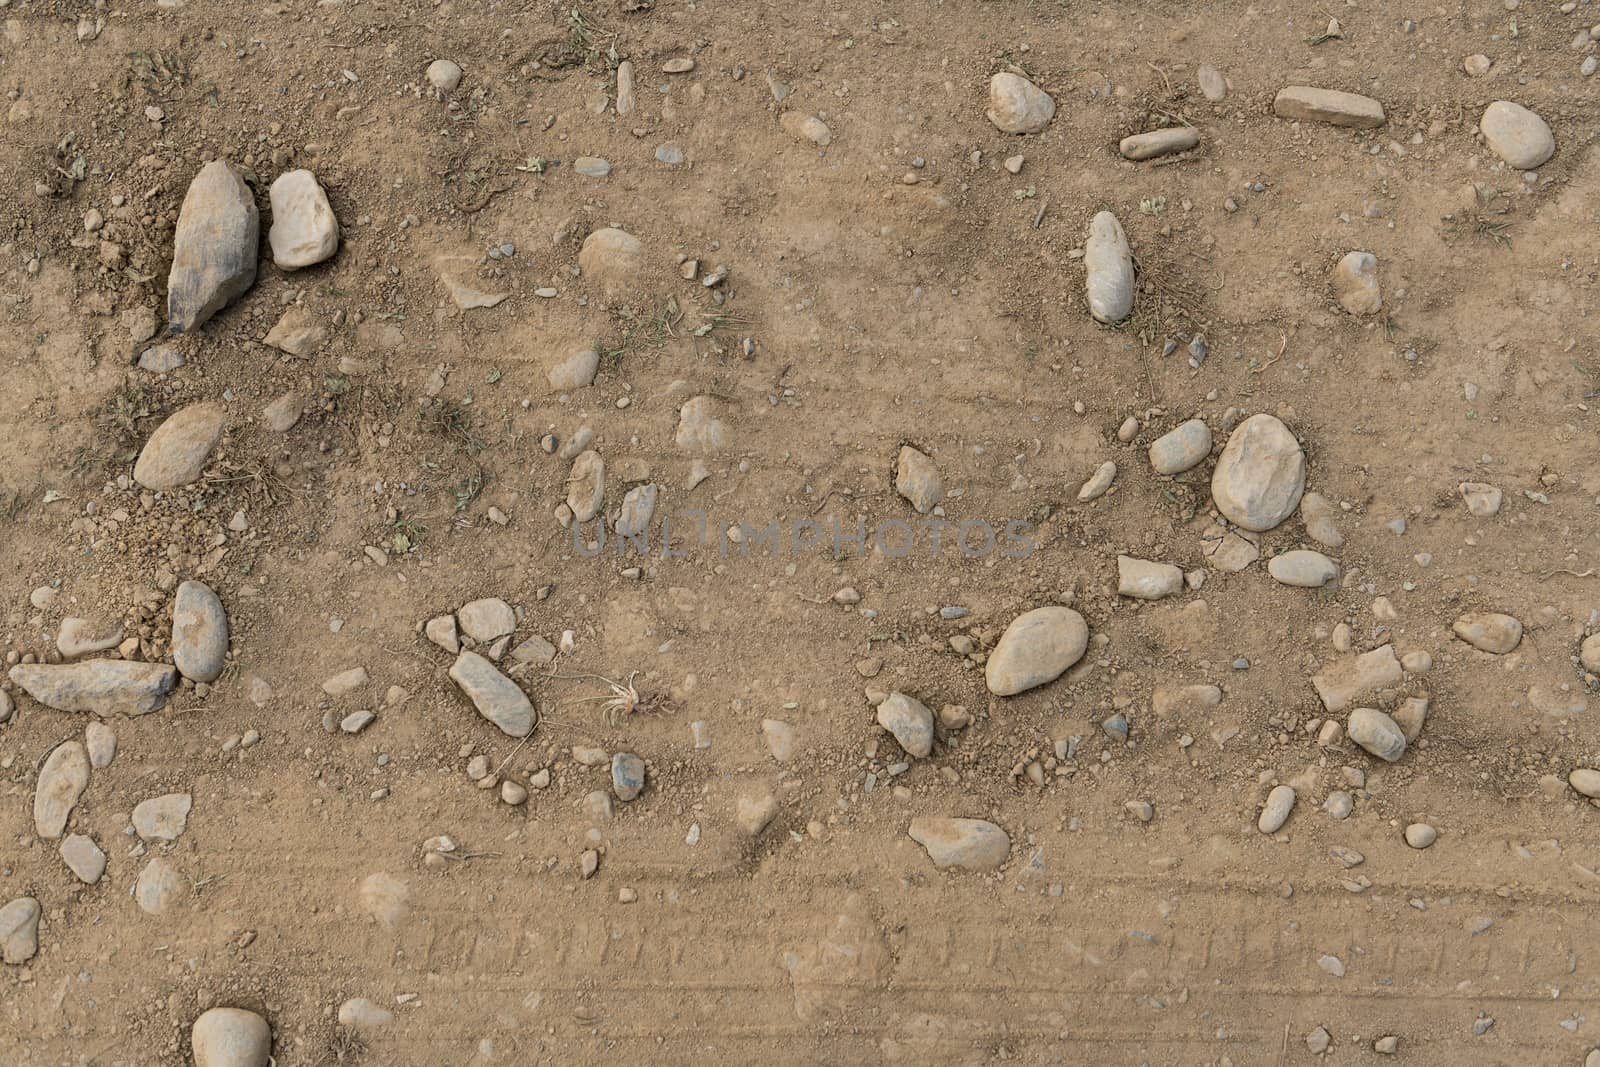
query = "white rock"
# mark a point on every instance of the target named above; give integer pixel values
(1145, 579)
(231, 1037)
(574, 370)
(1099, 482)
(1143, 146)
(162, 818)
(910, 721)
(159, 887)
(586, 486)
(1489, 631)
(443, 75)
(100, 741)
(1280, 802)
(304, 229)
(1038, 647)
(613, 259)
(1302, 103)
(1108, 264)
(1343, 683)
(963, 844)
(19, 931)
(486, 619)
(177, 451)
(1377, 733)
(1482, 499)
(1016, 105)
(62, 780)
(214, 247)
(83, 858)
(1420, 835)
(918, 480)
(1517, 135)
(1303, 568)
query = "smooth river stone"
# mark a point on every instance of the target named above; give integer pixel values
(964, 844)
(1108, 265)
(177, 452)
(1038, 647)
(1260, 475)
(1181, 448)
(1016, 105)
(1517, 135)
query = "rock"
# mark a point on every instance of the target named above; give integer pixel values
(1476, 65)
(1016, 105)
(535, 650)
(214, 247)
(177, 452)
(1143, 146)
(496, 697)
(964, 844)
(1145, 579)
(586, 486)
(83, 858)
(780, 738)
(1339, 804)
(1303, 568)
(1420, 835)
(100, 686)
(1098, 482)
(19, 931)
(1186, 700)
(1318, 1040)
(1517, 135)
(1489, 631)
(627, 776)
(806, 128)
(1301, 103)
(513, 793)
(199, 633)
(441, 630)
(755, 814)
(1260, 475)
(626, 97)
(1341, 684)
(384, 897)
(100, 741)
(1585, 781)
(486, 619)
(1213, 86)
(297, 333)
(363, 1016)
(1229, 549)
(443, 75)
(283, 413)
(1386, 1046)
(911, 723)
(1410, 717)
(81, 637)
(162, 359)
(162, 818)
(304, 230)
(1355, 283)
(917, 479)
(1038, 647)
(1589, 653)
(62, 780)
(699, 430)
(159, 887)
(458, 275)
(1108, 265)
(231, 1037)
(1280, 802)
(638, 508)
(592, 166)
(574, 370)
(1317, 515)
(1482, 499)
(1377, 733)
(614, 259)
(1181, 448)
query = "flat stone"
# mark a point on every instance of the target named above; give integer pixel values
(1585, 780)
(99, 686)
(573, 370)
(613, 259)
(627, 776)
(1275, 812)
(638, 508)
(496, 697)
(458, 275)
(586, 486)
(1186, 700)
(1229, 549)
(297, 333)
(1181, 448)
(1342, 683)
(486, 619)
(1099, 482)
(363, 1016)
(19, 931)
(627, 96)
(62, 780)
(805, 127)
(1016, 105)
(1303, 568)
(1260, 475)
(214, 247)
(1377, 733)
(917, 479)
(81, 637)
(441, 630)
(962, 844)
(1489, 631)
(162, 818)
(699, 428)
(1355, 283)
(1144, 579)
(1213, 86)
(1038, 647)
(1410, 716)
(1317, 513)
(1108, 267)
(284, 412)
(755, 814)
(304, 230)
(231, 1037)
(911, 723)
(535, 650)
(1302, 103)
(199, 633)
(1517, 135)
(83, 858)
(592, 166)
(1143, 146)
(162, 359)
(780, 738)
(100, 741)
(1482, 499)
(346, 682)
(177, 452)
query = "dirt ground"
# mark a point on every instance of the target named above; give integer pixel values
(898, 286)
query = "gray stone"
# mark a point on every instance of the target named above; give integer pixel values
(780, 738)
(304, 230)
(917, 479)
(1143, 146)
(613, 259)
(1410, 716)
(100, 741)
(638, 507)
(214, 247)
(162, 818)
(162, 359)
(963, 844)
(83, 858)
(231, 1037)
(1489, 631)
(627, 776)
(443, 75)
(441, 630)
(1482, 499)
(535, 650)
(1260, 475)
(1347, 681)
(100, 686)
(486, 619)
(1589, 653)
(1038, 647)
(670, 153)
(1303, 568)
(1108, 269)
(1377, 733)
(1317, 513)
(1355, 283)
(574, 370)
(19, 931)
(1586, 781)
(199, 632)
(357, 721)
(1213, 86)
(1229, 549)
(1099, 482)
(586, 486)
(1181, 448)
(1016, 105)
(699, 429)
(496, 697)
(62, 780)
(81, 637)
(177, 452)
(805, 127)
(1420, 835)
(626, 96)
(346, 682)
(1517, 135)
(911, 723)
(1275, 812)
(1302, 103)
(1145, 579)
(592, 166)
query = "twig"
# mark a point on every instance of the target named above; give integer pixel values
(1562, 570)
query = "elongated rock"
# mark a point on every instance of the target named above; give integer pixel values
(199, 632)
(1108, 264)
(1144, 579)
(1038, 647)
(638, 508)
(917, 479)
(100, 686)
(62, 780)
(964, 844)
(1260, 475)
(1275, 812)
(1016, 105)
(1377, 733)
(19, 931)
(177, 452)
(496, 697)
(910, 721)
(1343, 683)
(1489, 631)
(1302, 103)
(586, 486)
(304, 229)
(1142, 146)
(214, 247)
(1099, 482)
(231, 1037)
(1181, 448)
(1303, 568)
(1517, 135)
(1586, 781)
(82, 637)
